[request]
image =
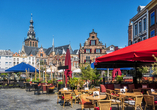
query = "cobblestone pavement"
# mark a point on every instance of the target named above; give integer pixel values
(19, 99)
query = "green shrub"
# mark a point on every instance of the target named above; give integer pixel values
(60, 82)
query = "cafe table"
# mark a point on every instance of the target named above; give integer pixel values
(145, 89)
(94, 99)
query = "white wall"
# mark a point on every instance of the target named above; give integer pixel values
(6, 62)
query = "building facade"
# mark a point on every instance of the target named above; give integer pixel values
(152, 7)
(6, 60)
(138, 26)
(92, 49)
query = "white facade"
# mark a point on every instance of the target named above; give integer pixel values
(6, 60)
(18, 58)
(140, 25)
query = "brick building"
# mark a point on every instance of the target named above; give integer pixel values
(92, 49)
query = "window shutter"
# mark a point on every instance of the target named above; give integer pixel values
(84, 50)
(90, 42)
(84, 61)
(95, 50)
(95, 42)
(90, 61)
(100, 50)
(90, 50)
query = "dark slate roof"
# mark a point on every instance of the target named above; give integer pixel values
(58, 50)
(75, 51)
(30, 50)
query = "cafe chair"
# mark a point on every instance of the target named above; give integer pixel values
(59, 96)
(76, 96)
(138, 93)
(85, 103)
(115, 99)
(133, 103)
(104, 105)
(148, 92)
(67, 98)
(149, 100)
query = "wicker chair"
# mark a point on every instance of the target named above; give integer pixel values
(59, 97)
(136, 90)
(104, 104)
(138, 93)
(67, 98)
(86, 103)
(115, 99)
(76, 96)
(133, 103)
(149, 92)
(149, 101)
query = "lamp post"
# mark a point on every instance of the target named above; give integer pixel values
(39, 68)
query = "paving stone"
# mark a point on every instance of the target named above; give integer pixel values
(19, 99)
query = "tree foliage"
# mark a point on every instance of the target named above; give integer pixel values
(88, 73)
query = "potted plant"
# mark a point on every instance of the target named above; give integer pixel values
(27, 80)
(119, 78)
(60, 85)
(50, 82)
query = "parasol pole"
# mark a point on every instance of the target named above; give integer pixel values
(51, 74)
(26, 75)
(45, 74)
(35, 74)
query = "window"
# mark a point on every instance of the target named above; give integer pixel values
(140, 27)
(6, 57)
(23, 59)
(6, 63)
(93, 37)
(32, 63)
(41, 55)
(9, 63)
(97, 56)
(144, 24)
(97, 50)
(88, 59)
(152, 18)
(17, 59)
(33, 44)
(87, 50)
(14, 59)
(0, 57)
(0, 63)
(152, 33)
(14, 63)
(29, 58)
(136, 29)
(17, 62)
(30, 44)
(32, 58)
(93, 42)
(10, 57)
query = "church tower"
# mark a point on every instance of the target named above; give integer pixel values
(31, 40)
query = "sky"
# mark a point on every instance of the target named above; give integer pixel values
(67, 21)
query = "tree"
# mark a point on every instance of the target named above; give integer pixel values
(88, 73)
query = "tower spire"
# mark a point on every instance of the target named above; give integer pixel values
(31, 16)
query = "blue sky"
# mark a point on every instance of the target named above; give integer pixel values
(70, 21)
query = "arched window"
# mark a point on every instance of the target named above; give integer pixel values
(33, 44)
(30, 44)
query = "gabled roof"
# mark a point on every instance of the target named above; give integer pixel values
(58, 50)
(76, 51)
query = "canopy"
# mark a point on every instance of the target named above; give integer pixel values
(22, 67)
(137, 54)
(77, 71)
(93, 66)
